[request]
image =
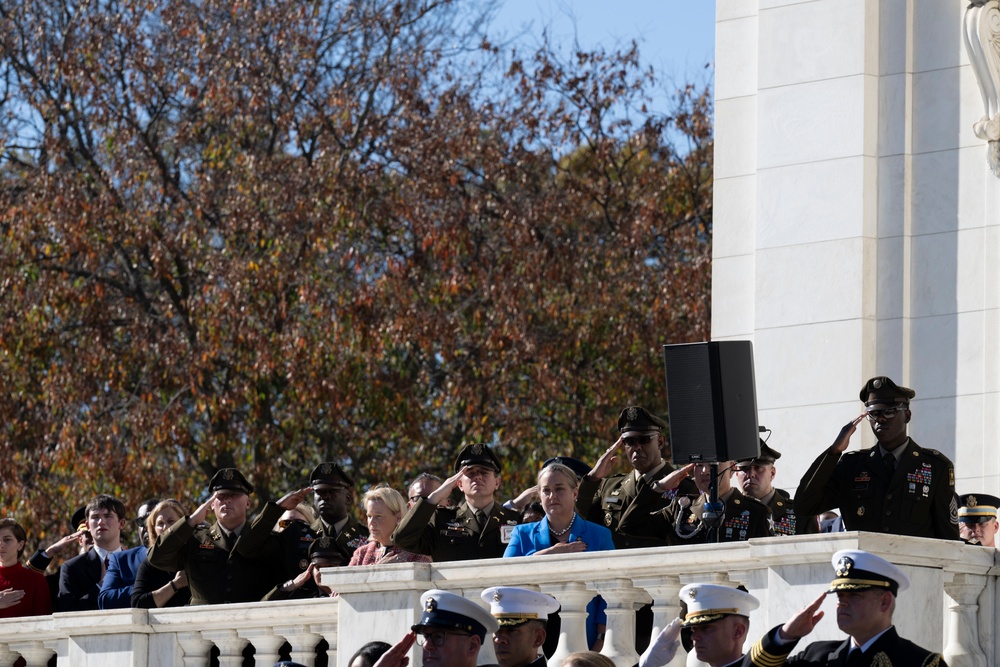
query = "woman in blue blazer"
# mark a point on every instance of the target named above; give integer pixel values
(563, 531)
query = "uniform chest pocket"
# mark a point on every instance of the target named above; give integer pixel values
(209, 554)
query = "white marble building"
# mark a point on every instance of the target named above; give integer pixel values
(856, 219)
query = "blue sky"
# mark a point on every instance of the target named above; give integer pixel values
(676, 37)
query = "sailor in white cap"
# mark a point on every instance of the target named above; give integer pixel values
(866, 588)
(523, 616)
(451, 630)
(717, 621)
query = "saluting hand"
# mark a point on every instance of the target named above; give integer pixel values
(605, 464)
(674, 479)
(804, 621)
(201, 513)
(293, 499)
(396, 656)
(441, 494)
(844, 439)
(58, 546)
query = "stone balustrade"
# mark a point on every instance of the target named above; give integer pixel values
(951, 605)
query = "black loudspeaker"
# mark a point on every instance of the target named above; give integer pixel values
(711, 401)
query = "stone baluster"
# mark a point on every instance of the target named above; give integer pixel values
(303, 643)
(196, 649)
(327, 631)
(622, 599)
(7, 657)
(963, 648)
(664, 592)
(266, 644)
(35, 653)
(574, 597)
(230, 645)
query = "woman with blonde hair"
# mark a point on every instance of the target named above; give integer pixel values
(154, 587)
(384, 508)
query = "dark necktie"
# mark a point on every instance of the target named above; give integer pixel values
(855, 659)
(481, 519)
(890, 463)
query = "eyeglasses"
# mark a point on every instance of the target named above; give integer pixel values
(885, 413)
(285, 523)
(437, 638)
(637, 440)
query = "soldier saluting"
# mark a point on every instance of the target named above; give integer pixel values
(895, 487)
(624, 503)
(209, 554)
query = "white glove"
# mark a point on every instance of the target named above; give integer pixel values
(662, 649)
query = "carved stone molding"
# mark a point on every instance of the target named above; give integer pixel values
(982, 42)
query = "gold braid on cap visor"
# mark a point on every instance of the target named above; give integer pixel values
(855, 584)
(708, 615)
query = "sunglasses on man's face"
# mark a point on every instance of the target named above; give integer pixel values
(637, 440)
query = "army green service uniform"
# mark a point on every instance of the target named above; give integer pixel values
(744, 518)
(216, 573)
(446, 533)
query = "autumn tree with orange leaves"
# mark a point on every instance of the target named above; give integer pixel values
(266, 235)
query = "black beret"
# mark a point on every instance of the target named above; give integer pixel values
(885, 391)
(229, 479)
(478, 454)
(330, 474)
(639, 420)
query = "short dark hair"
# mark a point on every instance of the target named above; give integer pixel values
(370, 653)
(109, 503)
(19, 534)
(418, 478)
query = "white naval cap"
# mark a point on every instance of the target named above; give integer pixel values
(513, 606)
(710, 602)
(858, 570)
(448, 611)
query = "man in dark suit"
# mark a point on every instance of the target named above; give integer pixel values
(894, 487)
(756, 478)
(80, 577)
(623, 503)
(333, 489)
(116, 590)
(479, 527)
(217, 571)
(866, 588)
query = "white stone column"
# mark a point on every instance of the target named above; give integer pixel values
(7, 657)
(963, 648)
(574, 598)
(230, 645)
(664, 592)
(303, 643)
(35, 653)
(327, 631)
(622, 599)
(196, 649)
(265, 642)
